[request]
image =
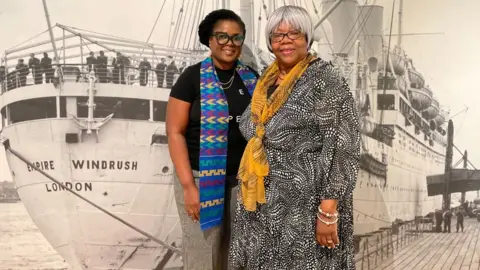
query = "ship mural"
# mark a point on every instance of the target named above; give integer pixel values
(87, 149)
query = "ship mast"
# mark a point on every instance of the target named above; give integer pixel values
(448, 166)
(465, 166)
(52, 39)
(57, 59)
(400, 21)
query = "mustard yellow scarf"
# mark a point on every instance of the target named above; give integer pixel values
(254, 165)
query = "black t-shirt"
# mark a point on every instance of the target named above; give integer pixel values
(187, 88)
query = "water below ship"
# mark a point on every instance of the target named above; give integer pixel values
(22, 245)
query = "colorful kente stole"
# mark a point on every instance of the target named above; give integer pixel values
(213, 140)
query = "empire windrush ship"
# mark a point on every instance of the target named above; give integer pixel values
(87, 150)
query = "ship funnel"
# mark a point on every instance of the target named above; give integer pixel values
(324, 32)
(245, 12)
(371, 35)
(344, 24)
(323, 37)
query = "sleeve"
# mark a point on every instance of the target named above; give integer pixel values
(184, 88)
(340, 154)
(247, 128)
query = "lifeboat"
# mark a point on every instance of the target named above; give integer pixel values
(421, 98)
(441, 117)
(433, 110)
(397, 61)
(416, 79)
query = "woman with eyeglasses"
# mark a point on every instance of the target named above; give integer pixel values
(205, 142)
(301, 162)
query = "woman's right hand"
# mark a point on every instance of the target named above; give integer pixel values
(191, 196)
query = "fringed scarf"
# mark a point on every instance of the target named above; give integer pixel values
(213, 140)
(254, 165)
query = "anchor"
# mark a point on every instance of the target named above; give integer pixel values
(91, 123)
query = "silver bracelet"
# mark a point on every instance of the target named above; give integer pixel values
(328, 215)
(328, 223)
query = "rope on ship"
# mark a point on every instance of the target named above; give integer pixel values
(153, 28)
(28, 40)
(6, 144)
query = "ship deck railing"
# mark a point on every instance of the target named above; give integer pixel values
(375, 247)
(441, 250)
(24, 100)
(129, 75)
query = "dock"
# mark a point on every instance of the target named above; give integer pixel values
(432, 251)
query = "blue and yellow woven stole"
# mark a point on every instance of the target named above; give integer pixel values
(213, 141)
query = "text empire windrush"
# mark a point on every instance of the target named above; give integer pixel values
(49, 165)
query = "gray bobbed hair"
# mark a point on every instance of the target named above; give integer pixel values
(296, 17)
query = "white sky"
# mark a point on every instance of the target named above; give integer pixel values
(449, 62)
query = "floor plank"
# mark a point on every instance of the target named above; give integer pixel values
(441, 251)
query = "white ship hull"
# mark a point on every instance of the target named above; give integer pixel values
(123, 173)
(403, 194)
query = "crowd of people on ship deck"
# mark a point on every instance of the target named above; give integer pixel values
(42, 71)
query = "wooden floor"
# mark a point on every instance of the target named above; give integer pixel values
(456, 251)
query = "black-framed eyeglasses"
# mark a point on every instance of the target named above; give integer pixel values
(293, 35)
(223, 38)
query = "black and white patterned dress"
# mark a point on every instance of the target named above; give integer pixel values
(313, 147)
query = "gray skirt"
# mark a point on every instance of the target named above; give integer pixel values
(206, 250)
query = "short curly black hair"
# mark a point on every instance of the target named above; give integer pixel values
(206, 26)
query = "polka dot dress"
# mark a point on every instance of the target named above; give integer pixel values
(313, 148)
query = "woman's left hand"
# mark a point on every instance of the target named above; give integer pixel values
(326, 235)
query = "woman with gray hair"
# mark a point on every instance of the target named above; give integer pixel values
(298, 171)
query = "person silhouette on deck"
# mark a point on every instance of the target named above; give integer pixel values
(46, 66)
(460, 217)
(92, 63)
(170, 74)
(144, 67)
(34, 64)
(438, 220)
(160, 70)
(3, 78)
(22, 72)
(447, 217)
(102, 63)
(119, 65)
(182, 68)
